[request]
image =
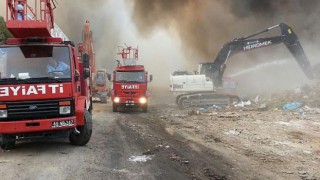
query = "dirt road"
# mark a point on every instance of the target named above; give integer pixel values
(169, 143)
(117, 150)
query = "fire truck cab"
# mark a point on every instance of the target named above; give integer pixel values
(39, 99)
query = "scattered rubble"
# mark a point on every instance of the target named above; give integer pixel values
(272, 135)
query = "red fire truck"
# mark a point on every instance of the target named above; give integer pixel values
(130, 82)
(44, 86)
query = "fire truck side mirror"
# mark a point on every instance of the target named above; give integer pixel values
(109, 76)
(86, 59)
(150, 78)
(80, 47)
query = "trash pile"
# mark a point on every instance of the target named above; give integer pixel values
(302, 100)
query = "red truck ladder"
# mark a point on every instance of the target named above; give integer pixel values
(37, 18)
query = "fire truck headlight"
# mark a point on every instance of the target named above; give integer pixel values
(65, 110)
(143, 100)
(116, 100)
(3, 113)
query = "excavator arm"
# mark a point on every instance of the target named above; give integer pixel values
(288, 37)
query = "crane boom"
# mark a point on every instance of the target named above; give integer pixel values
(30, 19)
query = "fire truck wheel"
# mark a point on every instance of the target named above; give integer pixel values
(7, 142)
(114, 107)
(145, 108)
(82, 138)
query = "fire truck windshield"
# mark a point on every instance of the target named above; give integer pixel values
(34, 63)
(136, 77)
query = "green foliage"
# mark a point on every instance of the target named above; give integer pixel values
(4, 33)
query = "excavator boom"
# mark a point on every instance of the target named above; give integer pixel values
(288, 37)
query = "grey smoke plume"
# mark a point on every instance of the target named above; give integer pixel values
(71, 15)
(204, 26)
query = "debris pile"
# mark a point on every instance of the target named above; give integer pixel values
(302, 100)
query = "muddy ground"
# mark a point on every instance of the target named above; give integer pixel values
(259, 141)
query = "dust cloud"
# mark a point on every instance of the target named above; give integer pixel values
(204, 26)
(71, 15)
(112, 27)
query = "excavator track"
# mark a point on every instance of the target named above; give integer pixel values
(205, 99)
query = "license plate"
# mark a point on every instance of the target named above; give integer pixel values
(65, 123)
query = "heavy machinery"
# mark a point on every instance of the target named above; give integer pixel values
(33, 102)
(100, 90)
(130, 82)
(207, 87)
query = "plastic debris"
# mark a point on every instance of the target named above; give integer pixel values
(143, 158)
(302, 112)
(257, 99)
(243, 103)
(292, 106)
(202, 110)
(216, 107)
(263, 107)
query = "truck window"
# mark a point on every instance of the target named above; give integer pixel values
(137, 77)
(100, 78)
(35, 62)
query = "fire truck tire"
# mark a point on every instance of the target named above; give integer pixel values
(82, 138)
(7, 142)
(145, 108)
(114, 107)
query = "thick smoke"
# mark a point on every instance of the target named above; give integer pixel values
(205, 26)
(71, 15)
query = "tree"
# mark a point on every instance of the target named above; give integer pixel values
(4, 33)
